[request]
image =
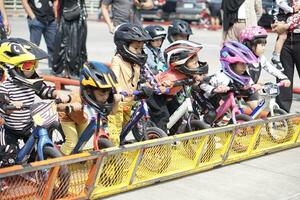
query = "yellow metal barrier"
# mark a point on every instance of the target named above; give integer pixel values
(91, 175)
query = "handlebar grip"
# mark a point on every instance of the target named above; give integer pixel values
(58, 101)
(69, 109)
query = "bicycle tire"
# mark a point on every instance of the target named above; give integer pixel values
(238, 147)
(287, 123)
(161, 160)
(191, 149)
(137, 129)
(104, 143)
(63, 179)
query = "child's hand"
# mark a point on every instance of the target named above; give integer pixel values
(167, 83)
(76, 106)
(163, 89)
(198, 77)
(2, 121)
(118, 97)
(256, 87)
(286, 83)
(221, 89)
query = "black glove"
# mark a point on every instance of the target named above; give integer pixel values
(146, 92)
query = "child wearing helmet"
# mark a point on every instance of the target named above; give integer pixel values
(183, 62)
(155, 61)
(177, 30)
(255, 38)
(20, 57)
(97, 88)
(234, 58)
(126, 64)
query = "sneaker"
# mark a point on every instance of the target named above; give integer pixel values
(277, 64)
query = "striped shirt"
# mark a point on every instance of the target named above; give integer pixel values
(19, 119)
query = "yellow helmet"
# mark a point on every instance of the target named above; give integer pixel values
(14, 51)
(99, 77)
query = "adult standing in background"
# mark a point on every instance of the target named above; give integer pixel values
(239, 14)
(70, 42)
(4, 25)
(289, 58)
(41, 15)
(124, 11)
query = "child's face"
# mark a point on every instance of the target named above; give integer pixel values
(101, 95)
(240, 68)
(136, 47)
(156, 43)
(260, 49)
(193, 63)
(180, 37)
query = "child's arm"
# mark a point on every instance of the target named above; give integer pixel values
(217, 84)
(49, 92)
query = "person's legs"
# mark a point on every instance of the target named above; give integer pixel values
(36, 29)
(173, 105)
(71, 134)
(49, 35)
(284, 99)
(278, 47)
(158, 111)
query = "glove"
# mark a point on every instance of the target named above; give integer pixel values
(146, 92)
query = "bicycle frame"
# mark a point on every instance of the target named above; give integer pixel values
(268, 104)
(184, 108)
(85, 136)
(141, 111)
(226, 105)
(40, 137)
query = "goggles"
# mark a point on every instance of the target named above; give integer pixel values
(28, 65)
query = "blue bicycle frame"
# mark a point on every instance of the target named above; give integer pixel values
(256, 110)
(85, 136)
(141, 111)
(40, 137)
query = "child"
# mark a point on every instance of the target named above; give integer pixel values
(234, 58)
(126, 65)
(177, 30)
(21, 58)
(155, 61)
(182, 61)
(255, 38)
(289, 11)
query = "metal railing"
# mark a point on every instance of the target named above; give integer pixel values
(96, 174)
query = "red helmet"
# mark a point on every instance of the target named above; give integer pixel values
(179, 52)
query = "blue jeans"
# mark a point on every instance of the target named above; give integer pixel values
(48, 30)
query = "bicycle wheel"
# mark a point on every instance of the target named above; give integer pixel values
(238, 144)
(280, 131)
(137, 130)
(192, 145)
(157, 158)
(63, 180)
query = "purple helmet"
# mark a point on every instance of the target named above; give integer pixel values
(234, 52)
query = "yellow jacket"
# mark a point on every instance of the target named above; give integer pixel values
(128, 76)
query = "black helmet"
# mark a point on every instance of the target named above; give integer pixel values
(178, 27)
(15, 54)
(179, 52)
(126, 33)
(93, 76)
(156, 31)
